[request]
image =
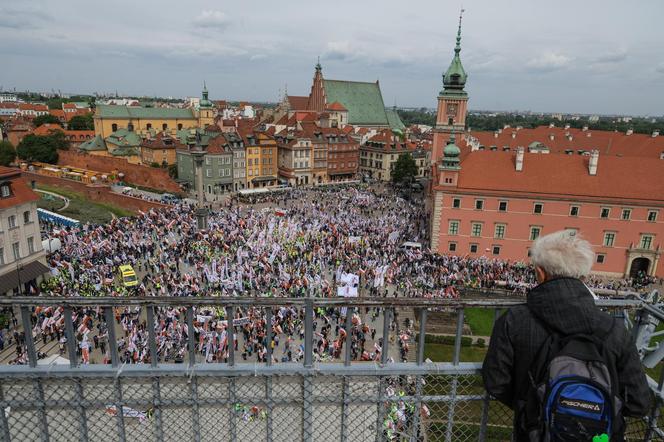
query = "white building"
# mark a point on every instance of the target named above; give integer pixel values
(22, 259)
(6, 96)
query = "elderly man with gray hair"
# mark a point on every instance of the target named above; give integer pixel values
(559, 310)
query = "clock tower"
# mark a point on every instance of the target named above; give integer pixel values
(452, 103)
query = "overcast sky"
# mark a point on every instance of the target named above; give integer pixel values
(599, 56)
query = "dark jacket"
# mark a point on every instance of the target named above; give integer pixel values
(566, 306)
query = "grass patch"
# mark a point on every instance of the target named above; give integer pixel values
(445, 353)
(81, 208)
(480, 320)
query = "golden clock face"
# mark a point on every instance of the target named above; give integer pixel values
(451, 109)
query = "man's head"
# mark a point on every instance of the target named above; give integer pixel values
(561, 254)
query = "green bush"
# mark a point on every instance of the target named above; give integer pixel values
(466, 341)
(481, 343)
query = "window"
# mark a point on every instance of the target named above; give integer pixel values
(5, 191)
(179, 126)
(496, 250)
(652, 216)
(479, 204)
(500, 231)
(646, 242)
(600, 258)
(538, 208)
(609, 239)
(452, 247)
(605, 213)
(626, 214)
(208, 161)
(473, 248)
(502, 206)
(2, 256)
(26, 217)
(164, 126)
(31, 245)
(16, 250)
(12, 221)
(148, 126)
(476, 229)
(456, 203)
(208, 173)
(535, 232)
(453, 228)
(114, 127)
(574, 211)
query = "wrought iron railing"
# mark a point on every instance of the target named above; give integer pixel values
(343, 400)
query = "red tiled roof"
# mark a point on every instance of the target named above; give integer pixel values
(21, 193)
(162, 141)
(9, 105)
(297, 102)
(336, 106)
(563, 175)
(607, 142)
(68, 106)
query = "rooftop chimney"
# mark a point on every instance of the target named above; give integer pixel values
(495, 134)
(566, 126)
(585, 129)
(592, 164)
(655, 133)
(552, 125)
(629, 132)
(551, 137)
(513, 134)
(519, 159)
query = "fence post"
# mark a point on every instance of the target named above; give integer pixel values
(349, 337)
(421, 337)
(654, 416)
(82, 417)
(344, 409)
(308, 332)
(455, 380)
(112, 341)
(233, 413)
(308, 409)
(230, 335)
(29, 341)
(152, 339)
(191, 344)
(268, 333)
(195, 424)
(71, 338)
(387, 318)
(43, 424)
(270, 407)
(156, 403)
(119, 410)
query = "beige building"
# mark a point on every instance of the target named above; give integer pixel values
(379, 153)
(22, 259)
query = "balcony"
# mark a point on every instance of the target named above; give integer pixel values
(309, 400)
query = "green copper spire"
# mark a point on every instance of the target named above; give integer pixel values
(451, 154)
(205, 101)
(318, 66)
(455, 77)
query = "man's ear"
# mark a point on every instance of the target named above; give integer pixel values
(540, 274)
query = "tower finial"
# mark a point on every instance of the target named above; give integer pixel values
(457, 49)
(318, 66)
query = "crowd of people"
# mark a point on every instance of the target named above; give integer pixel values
(296, 243)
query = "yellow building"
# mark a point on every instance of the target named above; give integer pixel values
(109, 119)
(261, 160)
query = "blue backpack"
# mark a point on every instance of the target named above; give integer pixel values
(572, 396)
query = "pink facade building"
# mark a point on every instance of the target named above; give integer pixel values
(495, 202)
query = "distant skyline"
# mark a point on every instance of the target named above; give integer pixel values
(592, 57)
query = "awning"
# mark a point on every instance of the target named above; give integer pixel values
(264, 178)
(25, 273)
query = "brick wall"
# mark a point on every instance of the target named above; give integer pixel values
(133, 173)
(97, 193)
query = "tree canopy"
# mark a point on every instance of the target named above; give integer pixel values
(7, 153)
(81, 122)
(404, 170)
(42, 148)
(46, 119)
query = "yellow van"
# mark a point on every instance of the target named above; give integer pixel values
(128, 275)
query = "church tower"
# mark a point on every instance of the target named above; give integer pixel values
(452, 102)
(317, 99)
(205, 110)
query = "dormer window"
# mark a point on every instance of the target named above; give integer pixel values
(5, 190)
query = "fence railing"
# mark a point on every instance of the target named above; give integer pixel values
(310, 400)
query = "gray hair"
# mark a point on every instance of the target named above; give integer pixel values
(563, 254)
